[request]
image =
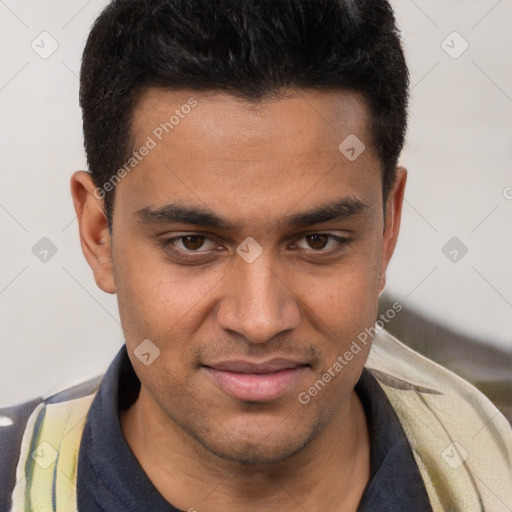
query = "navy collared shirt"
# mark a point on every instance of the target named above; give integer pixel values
(110, 477)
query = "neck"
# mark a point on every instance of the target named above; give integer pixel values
(329, 474)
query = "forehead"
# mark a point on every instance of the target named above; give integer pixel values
(222, 117)
(220, 150)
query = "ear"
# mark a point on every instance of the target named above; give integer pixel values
(94, 234)
(392, 222)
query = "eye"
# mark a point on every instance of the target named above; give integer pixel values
(322, 242)
(189, 243)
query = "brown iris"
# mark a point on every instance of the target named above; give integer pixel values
(317, 241)
(193, 242)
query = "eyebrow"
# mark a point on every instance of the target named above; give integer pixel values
(340, 209)
(179, 213)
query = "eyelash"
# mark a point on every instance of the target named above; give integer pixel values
(189, 255)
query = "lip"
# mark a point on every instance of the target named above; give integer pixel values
(256, 382)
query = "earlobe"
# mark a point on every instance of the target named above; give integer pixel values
(392, 221)
(95, 237)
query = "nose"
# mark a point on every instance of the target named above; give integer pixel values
(257, 303)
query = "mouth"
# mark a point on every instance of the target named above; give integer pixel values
(257, 382)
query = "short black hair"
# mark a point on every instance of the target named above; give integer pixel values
(252, 49)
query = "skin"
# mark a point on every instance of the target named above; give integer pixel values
(254, 164)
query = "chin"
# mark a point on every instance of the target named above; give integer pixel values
(254, 453)
(256, 447)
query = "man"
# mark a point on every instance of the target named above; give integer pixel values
(243, 202)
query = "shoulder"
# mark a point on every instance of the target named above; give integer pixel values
(456, 433)
(13, 423)
(394, 359)
(399, 367)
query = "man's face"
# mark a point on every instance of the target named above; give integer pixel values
(242, 333)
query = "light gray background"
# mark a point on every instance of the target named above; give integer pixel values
(57, 328)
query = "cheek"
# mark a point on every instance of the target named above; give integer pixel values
(157, 299)
(346, 296)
